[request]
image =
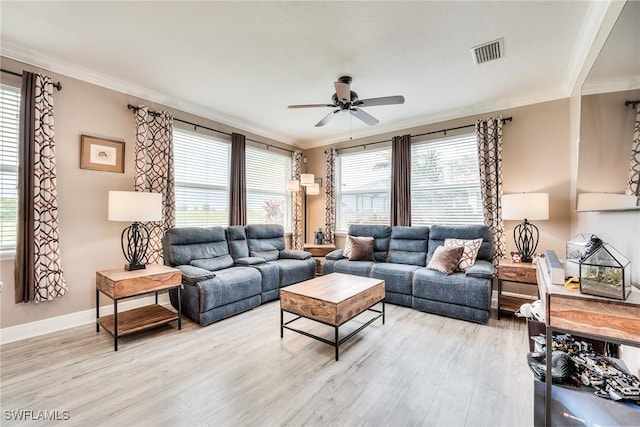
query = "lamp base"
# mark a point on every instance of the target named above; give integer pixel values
(526, 237)
(133, 267)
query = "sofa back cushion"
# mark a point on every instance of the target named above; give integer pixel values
(237, 239)
(264, 238)
(408, 245)
(439, 233)
(180, 246)
(213, 264)
(381, 236)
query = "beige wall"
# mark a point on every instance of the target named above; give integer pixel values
(88, 241)
(535, 158)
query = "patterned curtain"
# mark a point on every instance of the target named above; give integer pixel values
(238, 181)
(489, 135)
(154, 171)
(633, 185)
(39, 275)
(330, 196)
(296, 168)
(401, 180)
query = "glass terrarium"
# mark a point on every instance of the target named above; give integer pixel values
(576, 246)
(606, 273)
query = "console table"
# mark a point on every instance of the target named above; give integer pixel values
(119, 283)
(590, 316)
(318, 252)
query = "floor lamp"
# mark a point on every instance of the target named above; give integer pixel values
(525, 206)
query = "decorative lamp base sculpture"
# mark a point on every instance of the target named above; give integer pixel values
(135, 241)
(526, 238)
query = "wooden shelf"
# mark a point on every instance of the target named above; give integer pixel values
(138, 319)
(511, 303)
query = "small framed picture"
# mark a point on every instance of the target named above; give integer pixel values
(516, 257)
(101, 154)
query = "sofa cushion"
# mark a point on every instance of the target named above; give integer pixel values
(470, 252)
(294, 270)
(446, 259)
(237, 239)
(397, 277)
(482, 269)
(357, 268)
(438, 233)
(456, 288)
(266, 255)
(359, 248)
(408, 245)
(265, 237)
(230, 285)
(213, 264)
(182, 245)
(380, 233)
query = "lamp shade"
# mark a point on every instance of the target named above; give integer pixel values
(293, 185)
(525, 206)
(313, 189)
(307, 179)
(605, 201)
(135, 206)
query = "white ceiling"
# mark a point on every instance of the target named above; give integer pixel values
(242, 63)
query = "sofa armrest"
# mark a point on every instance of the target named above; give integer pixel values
(250, 260)
(482, 269)
(335, 255)
(294, 254)
(193, 275)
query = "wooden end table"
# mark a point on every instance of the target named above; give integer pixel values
(333, 299)
(518, 272)
(319, 252)
(119, 284)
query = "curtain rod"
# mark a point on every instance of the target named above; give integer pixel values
(365, 145)
(633, 103)
(57, 85)
(196, 126)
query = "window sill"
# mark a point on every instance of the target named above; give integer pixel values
(7, 256)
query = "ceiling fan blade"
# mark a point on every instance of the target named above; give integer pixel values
(342, 91)
(365, 117)
(384, 100)
(326, 118)
(310, 106)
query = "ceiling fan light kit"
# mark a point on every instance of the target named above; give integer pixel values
(344, 99)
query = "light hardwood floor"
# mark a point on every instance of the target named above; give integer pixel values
(417, 369)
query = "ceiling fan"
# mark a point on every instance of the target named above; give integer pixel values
(347, 100)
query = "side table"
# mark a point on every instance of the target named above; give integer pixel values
(118, 284)
(518, 272)
(318, 252)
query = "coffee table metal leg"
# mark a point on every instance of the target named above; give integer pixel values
(336, 341)
(383, 312)
(281, 323)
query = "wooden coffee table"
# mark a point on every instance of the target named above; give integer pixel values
(333, 299)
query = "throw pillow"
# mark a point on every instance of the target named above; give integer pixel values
(471, 249)
(360, 248)
(446, 259)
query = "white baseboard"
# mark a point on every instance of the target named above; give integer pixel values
(71, 320)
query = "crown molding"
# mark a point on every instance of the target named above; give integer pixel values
(599, 21)
(617, 85)
(49, 63)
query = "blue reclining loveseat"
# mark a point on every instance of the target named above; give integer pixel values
(226, 271)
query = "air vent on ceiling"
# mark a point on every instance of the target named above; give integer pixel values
(488, 51)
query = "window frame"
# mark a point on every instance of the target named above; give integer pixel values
(12, 169)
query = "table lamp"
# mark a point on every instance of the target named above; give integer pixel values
(525, 206)
(136, 207)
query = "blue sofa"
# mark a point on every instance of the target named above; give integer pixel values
(226, 271)
(401, 255)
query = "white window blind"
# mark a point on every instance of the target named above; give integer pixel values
(268, 201)
(363, 188)
(445, 182)
(9, 124)
(201, 167)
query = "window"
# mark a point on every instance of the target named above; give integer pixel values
(268, 200)
(201, 167)
(363, 188)
(9, 124)
(445, 182)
